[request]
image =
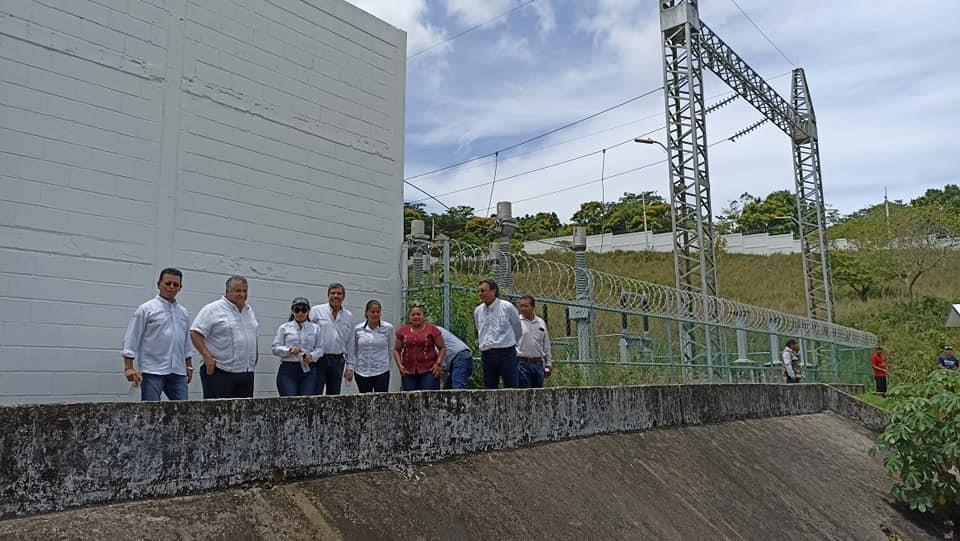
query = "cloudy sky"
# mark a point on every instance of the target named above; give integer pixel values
(884, 76)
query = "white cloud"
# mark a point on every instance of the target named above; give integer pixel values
(410, 16)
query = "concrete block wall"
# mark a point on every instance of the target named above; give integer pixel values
(56, 456)
(257, 137)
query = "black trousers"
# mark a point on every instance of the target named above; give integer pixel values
(223, 384)
(881, 382)
(378, 384)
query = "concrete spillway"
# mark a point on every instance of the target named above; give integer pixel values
(799, 477)
(690, 461)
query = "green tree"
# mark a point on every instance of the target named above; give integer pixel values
(922, 446)
(590, 215)
(539, 226)
(947, 198)
(749, 214)
(906, 246)
(857, 272)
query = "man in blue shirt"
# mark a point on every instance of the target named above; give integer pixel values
(946, 359)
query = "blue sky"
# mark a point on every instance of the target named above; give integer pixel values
(884, 76)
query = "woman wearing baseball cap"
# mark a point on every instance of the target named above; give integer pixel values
(298, 345)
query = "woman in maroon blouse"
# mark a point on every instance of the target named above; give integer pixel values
(419, 351)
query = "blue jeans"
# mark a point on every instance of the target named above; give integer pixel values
(329, 373)
(293, 381)
(172, 385)
(419, 382)
(531, 375)
(500, 363)
(461, 368)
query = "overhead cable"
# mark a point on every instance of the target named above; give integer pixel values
(764, 34)
(471, 29)
(536, 137)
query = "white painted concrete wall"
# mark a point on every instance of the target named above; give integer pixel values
(736, 243)
(258, 137)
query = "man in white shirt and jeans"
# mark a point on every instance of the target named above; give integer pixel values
(791, 361)
(533, 348)
(336, 324)
(157, 339)
(498, 330)
(225, 334)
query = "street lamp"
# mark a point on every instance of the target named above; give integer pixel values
(643, 196)
(645, 141)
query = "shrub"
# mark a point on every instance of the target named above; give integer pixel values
(922, 444)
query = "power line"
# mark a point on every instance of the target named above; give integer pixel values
(596, 181)
(543, 167)
(536, 137)
(548, 166)
(764, 34)
(442, 204)
(471, 29)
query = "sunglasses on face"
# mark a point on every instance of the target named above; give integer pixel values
(300, 309)
(171, 284)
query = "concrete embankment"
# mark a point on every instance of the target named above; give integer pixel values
(798, 477)
(54, 457)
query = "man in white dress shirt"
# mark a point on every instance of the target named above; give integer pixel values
(157, 339)
(336, 324)
(225, 335)
(498, 330)
(791, 361)
(533, 348)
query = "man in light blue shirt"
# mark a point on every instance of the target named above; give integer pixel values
(457, 361)
(157, 339)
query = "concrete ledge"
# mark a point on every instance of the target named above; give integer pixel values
(854, 409)
(54, 457)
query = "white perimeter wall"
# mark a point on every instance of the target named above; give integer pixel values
(258, 137)
(735, 243)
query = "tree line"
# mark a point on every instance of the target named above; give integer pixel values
(882, 249)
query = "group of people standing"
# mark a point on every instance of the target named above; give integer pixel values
(320, 346)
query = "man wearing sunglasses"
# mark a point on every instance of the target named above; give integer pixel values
(157, 339)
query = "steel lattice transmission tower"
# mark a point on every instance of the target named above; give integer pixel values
(689, 46)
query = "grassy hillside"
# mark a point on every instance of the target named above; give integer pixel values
(912, 334)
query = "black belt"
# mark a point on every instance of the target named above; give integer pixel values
(531, 360)
(334, 356)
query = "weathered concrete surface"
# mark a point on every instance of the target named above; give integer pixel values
(54, 457)
(858, 411)
(799, 477)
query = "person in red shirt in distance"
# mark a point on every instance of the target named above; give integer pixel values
(879, 362)
(419, 351)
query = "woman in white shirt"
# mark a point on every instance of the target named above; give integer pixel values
(374, 341)
(298, 345)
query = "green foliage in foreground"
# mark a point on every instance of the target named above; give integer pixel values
(921, 444)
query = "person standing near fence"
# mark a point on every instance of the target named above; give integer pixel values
(791, 361)
(498, 330)
(457, 365)
(225, 334)
(419, 351)
(879, 363)
(336, 326)
(158, 340)
(298, 344)
(947, 359)
(373, 343)
(533, 348)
